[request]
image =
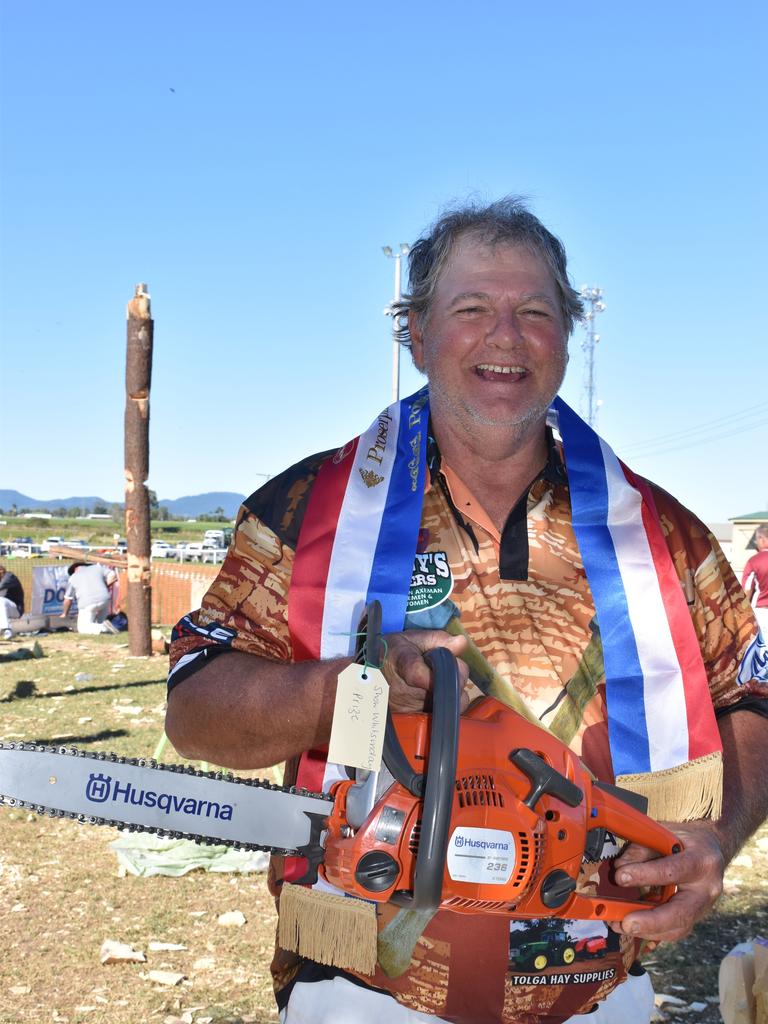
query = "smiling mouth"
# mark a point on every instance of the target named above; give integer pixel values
(493, 371)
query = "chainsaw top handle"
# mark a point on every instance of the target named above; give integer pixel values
(436, 785)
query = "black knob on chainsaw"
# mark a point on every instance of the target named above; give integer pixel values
(545, 779)
(376, 871)
(556, 888)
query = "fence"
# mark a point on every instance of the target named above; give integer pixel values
(176, 588)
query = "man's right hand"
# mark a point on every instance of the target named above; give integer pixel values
(409, 676)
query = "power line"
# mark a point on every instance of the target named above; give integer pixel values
(731, 419)
(741, 429)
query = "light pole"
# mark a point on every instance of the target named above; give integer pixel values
(593, 299)
(390, 311)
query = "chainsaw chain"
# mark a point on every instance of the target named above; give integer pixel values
(148, 762)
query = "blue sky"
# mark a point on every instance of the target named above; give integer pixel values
(249, 160)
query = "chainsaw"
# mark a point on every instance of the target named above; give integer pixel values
(486, 813)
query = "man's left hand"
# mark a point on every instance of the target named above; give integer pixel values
(697, 871)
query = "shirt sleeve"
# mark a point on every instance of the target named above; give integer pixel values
(246, 607)
(729, 638)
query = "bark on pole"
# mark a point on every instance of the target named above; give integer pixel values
(138, 378)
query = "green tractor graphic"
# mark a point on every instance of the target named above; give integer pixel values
(552, 947)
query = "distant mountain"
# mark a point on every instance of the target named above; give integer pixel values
(10, 498)
(190, 506)
(200, 504)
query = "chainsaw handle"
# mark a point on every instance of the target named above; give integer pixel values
(437, 783)
(616, 814)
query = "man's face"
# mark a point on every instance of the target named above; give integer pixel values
(494, 344)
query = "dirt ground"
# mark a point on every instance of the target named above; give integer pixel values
(61, 894)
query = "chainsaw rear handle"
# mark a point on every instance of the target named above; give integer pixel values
(438, 782)
(615, 813)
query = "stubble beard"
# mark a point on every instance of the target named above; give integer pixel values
(450, 404)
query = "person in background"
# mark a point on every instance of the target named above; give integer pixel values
(90, 586)
(11, 601)
(754, 579)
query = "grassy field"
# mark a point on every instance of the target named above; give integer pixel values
(61, 895)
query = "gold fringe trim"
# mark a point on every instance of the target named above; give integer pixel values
(336, 930)
(684, 793)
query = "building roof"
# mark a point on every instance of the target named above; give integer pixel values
(751, 517)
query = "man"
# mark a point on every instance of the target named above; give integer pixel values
(253, 676)
(90, 586)
(754, 579)
(11, 601)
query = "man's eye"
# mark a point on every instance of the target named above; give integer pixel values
(470, 309)
(535, 312)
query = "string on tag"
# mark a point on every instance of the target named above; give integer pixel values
(369, 664)
(362, 654)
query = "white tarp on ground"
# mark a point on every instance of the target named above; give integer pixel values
(143, 854)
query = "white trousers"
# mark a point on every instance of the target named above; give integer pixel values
(8, 610)
(339, 1001)
(761, 614)
(90, 618)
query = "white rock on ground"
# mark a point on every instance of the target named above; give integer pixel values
(232, 919)
(112, 952)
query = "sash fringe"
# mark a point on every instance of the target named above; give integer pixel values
(683, 793)
(334, 930)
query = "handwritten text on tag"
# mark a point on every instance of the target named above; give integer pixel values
(359, 718)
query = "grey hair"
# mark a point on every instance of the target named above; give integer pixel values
(761, 530)
(508, 221)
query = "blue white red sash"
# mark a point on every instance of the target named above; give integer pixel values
(358, 542)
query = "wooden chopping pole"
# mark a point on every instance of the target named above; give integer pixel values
(138, 379)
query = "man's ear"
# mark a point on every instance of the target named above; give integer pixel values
(417, 340)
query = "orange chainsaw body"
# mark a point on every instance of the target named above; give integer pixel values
(510, 850)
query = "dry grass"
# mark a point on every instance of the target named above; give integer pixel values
(60, 894)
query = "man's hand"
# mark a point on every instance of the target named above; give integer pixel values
(697, 872)
(409, 676)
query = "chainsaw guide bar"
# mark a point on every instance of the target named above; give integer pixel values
(223, 809)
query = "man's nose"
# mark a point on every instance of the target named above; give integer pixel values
(506, 329)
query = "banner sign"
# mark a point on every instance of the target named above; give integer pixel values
(48, 585)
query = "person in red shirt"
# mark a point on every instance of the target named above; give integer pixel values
(755, 577)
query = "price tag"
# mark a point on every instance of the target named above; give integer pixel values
(359, 718)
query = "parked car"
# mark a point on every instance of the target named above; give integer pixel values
(26, 551)
(219, 538)
(52, 542)
(201, 551)
(162, 549)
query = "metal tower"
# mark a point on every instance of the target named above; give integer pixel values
(593, 302)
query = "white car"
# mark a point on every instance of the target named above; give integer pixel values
(26, 551)
(52, 542)
(162, 549)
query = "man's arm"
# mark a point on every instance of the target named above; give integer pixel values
(709, 846)
(749, 586)
(65, 606)
(242, 711)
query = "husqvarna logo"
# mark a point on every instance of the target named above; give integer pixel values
(458, 841)
(97, 790)
(101, 788)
